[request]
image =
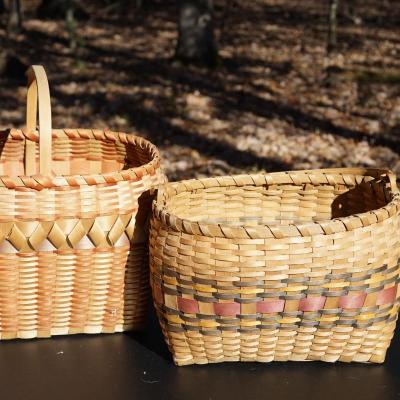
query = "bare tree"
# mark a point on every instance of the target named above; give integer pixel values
(332, 25)
(14, 16)
(196, 41)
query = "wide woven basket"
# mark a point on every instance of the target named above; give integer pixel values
(298, 265)
(74, 216)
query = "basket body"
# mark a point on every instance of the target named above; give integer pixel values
(73, 245)
(295, 266)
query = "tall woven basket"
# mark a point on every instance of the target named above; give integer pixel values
(74, 208)
(298, 265)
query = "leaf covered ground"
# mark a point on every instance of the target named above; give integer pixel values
(276, 100)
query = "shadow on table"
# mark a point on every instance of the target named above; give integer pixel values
(152, 338)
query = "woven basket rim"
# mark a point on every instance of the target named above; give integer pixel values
(39, 182)
(262, 231)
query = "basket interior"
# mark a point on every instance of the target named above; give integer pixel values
(76, 156)
(277, 204)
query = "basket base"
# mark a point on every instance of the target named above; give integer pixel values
(344, 344)
(378, 359)
(91, 330)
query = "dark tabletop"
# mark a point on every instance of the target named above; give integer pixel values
(138, 366)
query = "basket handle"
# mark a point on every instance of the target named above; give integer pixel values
(392, 181)
(38, 102)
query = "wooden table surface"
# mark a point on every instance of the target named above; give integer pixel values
(138, 366)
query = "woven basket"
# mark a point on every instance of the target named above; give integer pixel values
(73, 226)
(296, 266)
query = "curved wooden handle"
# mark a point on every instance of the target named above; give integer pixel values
(393, 182)
(38, 99)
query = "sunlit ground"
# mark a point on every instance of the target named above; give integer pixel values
(276, 100)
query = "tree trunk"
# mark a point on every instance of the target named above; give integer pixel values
(71, 27)
(14, 17)
(196, 42)
(332, 23)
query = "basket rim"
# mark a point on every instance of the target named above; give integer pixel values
(39, 182)
(263, 231)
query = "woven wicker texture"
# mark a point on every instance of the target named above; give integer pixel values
(298, 265)
(74, 242)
